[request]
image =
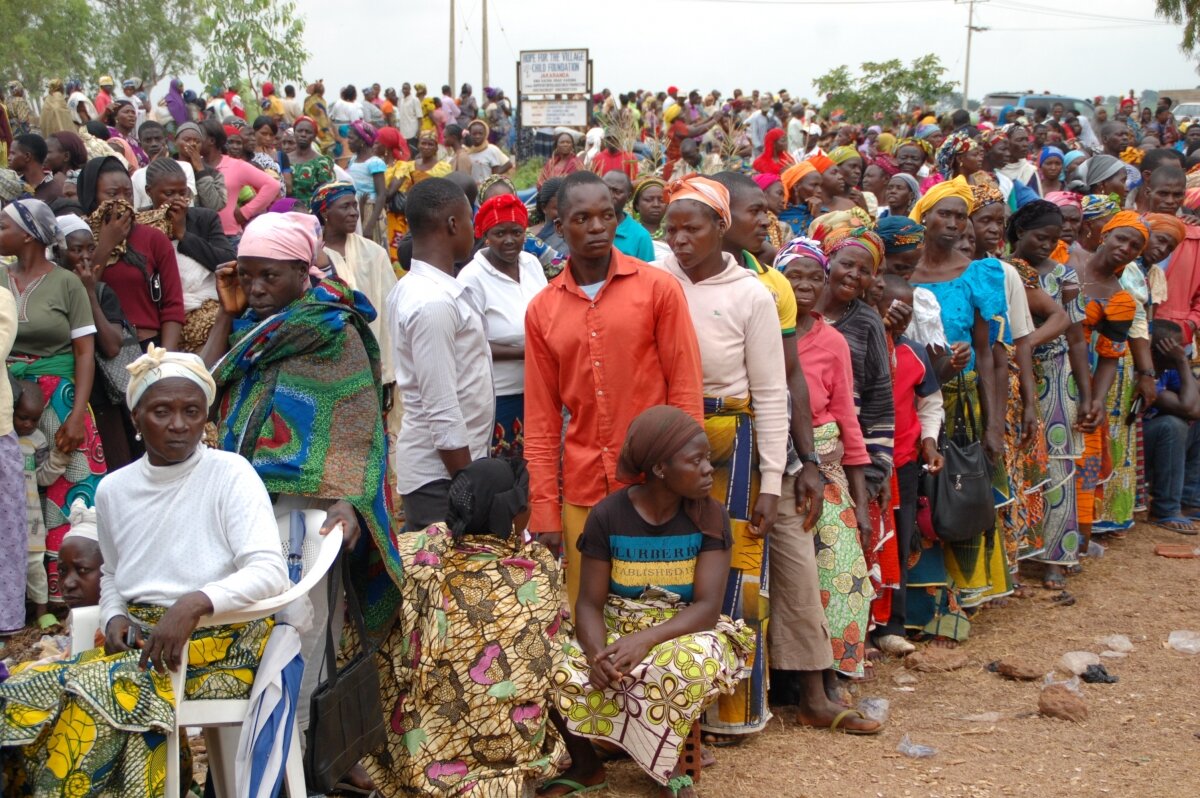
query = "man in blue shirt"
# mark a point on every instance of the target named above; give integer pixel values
(1173, 435)
(632, 239)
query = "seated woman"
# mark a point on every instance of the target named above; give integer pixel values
(469, 680)
(653, 650)
(173, 554)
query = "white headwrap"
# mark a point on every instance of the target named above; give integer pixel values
(159, 364)
(83, 521)
(70, 223)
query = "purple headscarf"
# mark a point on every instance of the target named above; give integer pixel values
(176, 103)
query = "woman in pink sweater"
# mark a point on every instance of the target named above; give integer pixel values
(746, 413)
(238, 174)
(841, 567)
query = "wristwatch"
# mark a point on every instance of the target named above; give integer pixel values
(810, 457)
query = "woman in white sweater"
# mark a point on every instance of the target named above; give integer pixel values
(185, 532)
(745, 411)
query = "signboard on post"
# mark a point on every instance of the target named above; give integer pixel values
(554, 113)
(553, 72)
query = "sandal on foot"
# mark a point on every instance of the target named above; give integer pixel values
(1054, 582)
(724, 740)
(1177, 551)
(1174, 523)
(575, 787)
(895, 645)
(837, 728)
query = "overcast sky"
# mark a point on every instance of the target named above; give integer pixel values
(770, 44)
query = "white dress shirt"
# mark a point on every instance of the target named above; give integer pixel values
(504, 301)
(443, 371)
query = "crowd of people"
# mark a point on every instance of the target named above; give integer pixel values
(736, 400)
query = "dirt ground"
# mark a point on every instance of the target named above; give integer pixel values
(1141, 738)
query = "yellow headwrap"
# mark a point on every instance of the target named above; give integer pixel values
(671, 113)
(957, 187)
(886, 142)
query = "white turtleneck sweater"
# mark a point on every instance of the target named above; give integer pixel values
(204, 524)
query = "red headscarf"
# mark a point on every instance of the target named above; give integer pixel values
(390, 138)
(498, 210)
(766, 163)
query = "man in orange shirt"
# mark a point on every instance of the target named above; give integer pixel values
(607, 339)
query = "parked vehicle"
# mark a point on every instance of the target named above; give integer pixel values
(995, 101)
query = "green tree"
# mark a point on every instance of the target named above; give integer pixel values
(154, 40)
(253, 39)
(883, 88)
(32, 45)
(1187, 14)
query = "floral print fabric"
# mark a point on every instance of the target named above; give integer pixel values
(651, 711)
(465, 672)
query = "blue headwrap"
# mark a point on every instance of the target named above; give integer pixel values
(328, 194)
(900, 234)
(1049, 152)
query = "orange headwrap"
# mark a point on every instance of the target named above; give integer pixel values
(1165, 223)
(498, 210)
(703, 190)
(821, 162)
(1127, 219)
(793, 175)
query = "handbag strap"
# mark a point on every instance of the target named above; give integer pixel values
(339, 573)
(964, 415)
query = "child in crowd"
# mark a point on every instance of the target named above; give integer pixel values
(919, 417)
(43, 465)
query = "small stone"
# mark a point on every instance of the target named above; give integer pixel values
(1018, 669)
(936, 660)
(902, 678)
(1057, 701)
(1077, 662)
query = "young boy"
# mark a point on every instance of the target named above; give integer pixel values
(1172, 434)
(79, 559)
(919, 416)
(43, 465)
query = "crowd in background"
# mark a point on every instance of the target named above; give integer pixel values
(628, 449)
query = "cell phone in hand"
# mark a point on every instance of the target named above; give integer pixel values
(1135, 410)
(131, 636)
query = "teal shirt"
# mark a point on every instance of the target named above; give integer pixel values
(634, 240)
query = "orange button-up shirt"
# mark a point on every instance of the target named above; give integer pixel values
(605, 360)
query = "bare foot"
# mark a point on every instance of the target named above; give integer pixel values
(557, 786)
(943, 642)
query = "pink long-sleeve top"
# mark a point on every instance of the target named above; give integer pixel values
(825, 358)
(238, 174)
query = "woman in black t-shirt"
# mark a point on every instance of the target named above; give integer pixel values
(655, 559)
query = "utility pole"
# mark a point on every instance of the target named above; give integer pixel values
(971, 28)
(452, 45)
(486, 82)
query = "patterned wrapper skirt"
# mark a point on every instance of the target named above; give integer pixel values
(651, 711)
(1058, 399)
(842, 573)
(96, 724)
(1114, 510)
(730, 428)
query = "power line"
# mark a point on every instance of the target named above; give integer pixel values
(1011, 5)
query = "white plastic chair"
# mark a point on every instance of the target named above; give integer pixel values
(318, 556)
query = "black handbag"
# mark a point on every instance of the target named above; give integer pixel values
(346, 720)
(961, 493)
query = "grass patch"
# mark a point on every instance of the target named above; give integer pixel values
(527, 173)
